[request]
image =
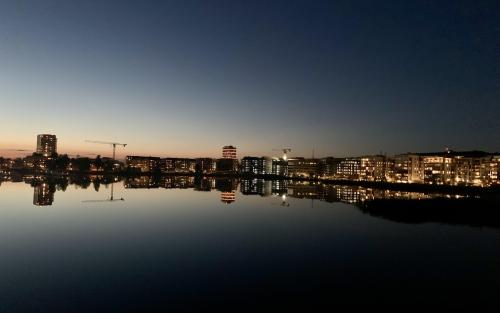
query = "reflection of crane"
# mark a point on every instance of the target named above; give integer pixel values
(113, 144)
(285, 151)
(110, 199)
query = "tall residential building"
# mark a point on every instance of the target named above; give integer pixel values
(229, 152)
(46, 144)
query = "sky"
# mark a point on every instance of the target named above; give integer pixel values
(184, 78)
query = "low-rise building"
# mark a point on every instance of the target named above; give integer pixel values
(373, 168)
(302, 167)
(178, 165)
(143, 164)
(205, 165)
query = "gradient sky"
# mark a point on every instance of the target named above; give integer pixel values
(185, 78)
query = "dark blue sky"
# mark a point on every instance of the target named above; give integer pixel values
(187, 77)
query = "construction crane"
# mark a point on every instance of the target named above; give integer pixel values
(285, 151)
(113, 144)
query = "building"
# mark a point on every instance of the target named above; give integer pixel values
(46, 145)
(279, 167)
(373, 168)
(178, 165)
(328, 167)
(457, 168)
(228, 166)
(476, 168)
(143, 164)
(229, 152)
(229, 162)
(494, 170)
(301, 167)
(408, 168)
(348, 168)
(205, 165)
(256, 165)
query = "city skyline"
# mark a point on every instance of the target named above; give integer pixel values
(184, 80)
(122, 154)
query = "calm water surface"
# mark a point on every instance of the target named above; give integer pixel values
(268, 250)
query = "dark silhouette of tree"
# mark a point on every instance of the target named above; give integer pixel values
(82, 164)
(98, 163)
(62, 162)
(97, 184)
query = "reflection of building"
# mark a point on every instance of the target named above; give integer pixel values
(178, 182)
(46, 145)
(143, 164)
(43, 195)
(256, 187)
(225, 184)
(305, 190)
(142, 182)
(228, 197)
(204, 183)
(229, 152)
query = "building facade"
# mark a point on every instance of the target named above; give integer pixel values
(46, 144)
(302, 167)
(205, 165)
(229, 152)
(143, 164)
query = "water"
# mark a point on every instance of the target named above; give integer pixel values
(177, 247)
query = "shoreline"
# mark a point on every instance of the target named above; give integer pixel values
(415, 187)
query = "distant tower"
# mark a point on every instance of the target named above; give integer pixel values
(46, 145)
(229, 152)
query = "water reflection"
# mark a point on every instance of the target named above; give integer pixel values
(400, 206)
(43, 194)
(45, 188)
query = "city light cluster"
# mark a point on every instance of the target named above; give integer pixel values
(466, 168)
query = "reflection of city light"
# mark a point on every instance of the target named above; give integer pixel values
(228, 196)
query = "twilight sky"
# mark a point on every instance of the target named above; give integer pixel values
(184, 78)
